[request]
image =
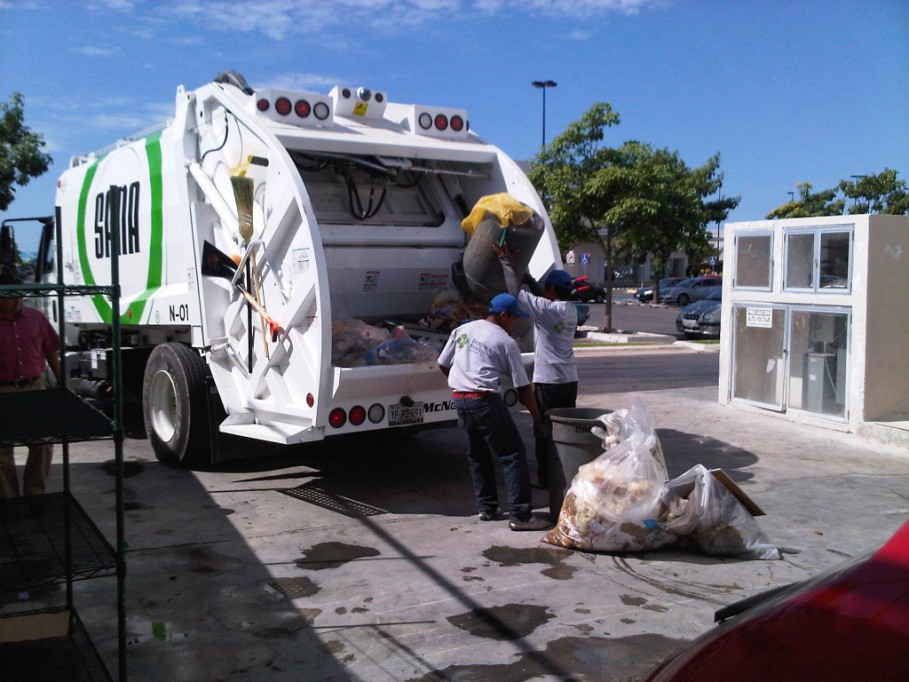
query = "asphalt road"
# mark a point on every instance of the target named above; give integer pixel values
(630, 316)
(646, 370)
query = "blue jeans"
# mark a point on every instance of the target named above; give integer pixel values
(491, 431)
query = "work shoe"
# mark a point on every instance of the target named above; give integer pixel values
(488, 515)
(533, 523)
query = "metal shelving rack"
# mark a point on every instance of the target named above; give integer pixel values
(50, 539)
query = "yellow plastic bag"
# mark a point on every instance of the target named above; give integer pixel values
(506, 209)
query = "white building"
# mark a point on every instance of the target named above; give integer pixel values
(816, 320)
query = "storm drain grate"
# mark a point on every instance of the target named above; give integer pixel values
(294, 588)
(332, 502)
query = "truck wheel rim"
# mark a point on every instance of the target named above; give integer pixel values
(164, 406)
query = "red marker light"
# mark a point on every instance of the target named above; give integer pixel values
(457, 123)
(337, 418)
(357, 415)
(282, 106)
(302, 108)
(263, 104)
(441, 122)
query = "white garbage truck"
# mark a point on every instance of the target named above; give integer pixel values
(254, 229)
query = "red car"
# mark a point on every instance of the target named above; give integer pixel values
(849, 623)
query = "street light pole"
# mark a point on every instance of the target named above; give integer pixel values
(858, 179)
(543, 85)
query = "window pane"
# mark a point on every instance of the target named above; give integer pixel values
(753, 261)
(817, 369)
(834, 265)
(758, 354)
(799, 260)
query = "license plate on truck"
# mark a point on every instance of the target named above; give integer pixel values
(401, 415)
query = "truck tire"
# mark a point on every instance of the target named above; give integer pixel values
(174, 405)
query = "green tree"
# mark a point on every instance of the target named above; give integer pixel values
(881, 193)
(21, 157)
(810, 204)
(632, 200)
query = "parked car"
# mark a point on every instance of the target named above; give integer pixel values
(689, 290)
(583, 313)
(701, 319)
(851, 622)
(645, 294)
(592, 292)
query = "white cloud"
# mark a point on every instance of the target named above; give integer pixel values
(92, 51)
(300, 81)
(279, 19)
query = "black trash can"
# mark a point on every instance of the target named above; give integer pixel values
(574, 446)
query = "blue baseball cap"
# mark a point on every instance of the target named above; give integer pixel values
(559, 278)
(506, 303)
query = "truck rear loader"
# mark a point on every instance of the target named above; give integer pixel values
(252, 224)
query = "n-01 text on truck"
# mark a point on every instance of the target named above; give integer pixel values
(328, 208)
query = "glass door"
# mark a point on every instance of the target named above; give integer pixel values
(818, 353)
(758, 363)
(791, 358)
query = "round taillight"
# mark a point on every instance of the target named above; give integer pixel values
(457, 124)
(321, 111)
(337, 418)
(345, 93)
(441, 122)
(283, 106)
(357, 415)
(380, 97)
(302, 108)
(262, 104)
(425, 121)
(376, 413)
(310, 400)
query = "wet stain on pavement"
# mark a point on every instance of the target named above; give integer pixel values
(515, 556)
(628, 600)
(332, 555)
(570, 659)
(288, 627)
(336, 648)
(204, 559)
(502, 622)
(294, 588)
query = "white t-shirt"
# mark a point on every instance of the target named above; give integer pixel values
(555, 323)
(479, 354)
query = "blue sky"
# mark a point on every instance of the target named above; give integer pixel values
(786, 91)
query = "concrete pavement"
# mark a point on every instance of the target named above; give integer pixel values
(364, 560)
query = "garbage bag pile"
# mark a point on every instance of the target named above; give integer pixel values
(449, 310)
(624, 502)
(357, 344)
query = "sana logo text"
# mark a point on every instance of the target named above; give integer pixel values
(124, 202)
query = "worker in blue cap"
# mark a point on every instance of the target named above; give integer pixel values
(555, 372)
(476, 357)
